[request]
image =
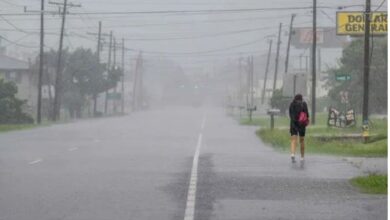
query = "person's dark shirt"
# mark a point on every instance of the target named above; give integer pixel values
(295, 108)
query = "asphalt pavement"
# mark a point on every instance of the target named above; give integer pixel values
(170, 164)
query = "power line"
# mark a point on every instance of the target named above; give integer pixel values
(17, 44)
(182, 12)
(10, 3)
(202, 36)
(380, 5)
(14, 26)
(199, 52)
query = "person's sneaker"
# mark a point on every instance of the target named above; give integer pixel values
(292, 158)
(302, 160)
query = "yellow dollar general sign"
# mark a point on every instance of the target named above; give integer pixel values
(352, 23)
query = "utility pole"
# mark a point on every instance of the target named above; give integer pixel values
(114, 101)
(266, 72)
(277, 59)
(288, 44)
(58, 83)
(239, 81)
(123, 78)
(141, 81)
(137, 87)
(135, 80)
(248, 82)
(366, 69)
(99, 35)
(41, 54)
(313, 67)
(251, 71)
(108, 70)
(99, 41)
(98, 59)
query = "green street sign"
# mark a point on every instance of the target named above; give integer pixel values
(114, 96)
(343, 77)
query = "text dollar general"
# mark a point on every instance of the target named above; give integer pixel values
(353, 23)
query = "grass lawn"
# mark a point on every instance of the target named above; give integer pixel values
(280, 137)
(373, 184)
(13, 127)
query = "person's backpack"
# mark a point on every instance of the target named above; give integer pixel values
(302, 118)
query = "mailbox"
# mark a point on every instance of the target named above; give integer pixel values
(272, 113)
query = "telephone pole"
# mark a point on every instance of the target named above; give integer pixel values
(123, 78)
(266, 72)
(58, 82)
(288, 44)
(99, 35)
(366, 69)
(41, 54)
(114, 101)
(313, 62)
(251, 72)
(277, 58)
(99, 41)
(137, 87)
(108, 70)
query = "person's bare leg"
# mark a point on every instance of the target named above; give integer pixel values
(293, 146)
(302, 143)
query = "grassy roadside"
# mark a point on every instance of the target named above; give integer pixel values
(280, 138)
(372, 184)
(15, 127)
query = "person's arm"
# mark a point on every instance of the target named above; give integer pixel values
(291, 112)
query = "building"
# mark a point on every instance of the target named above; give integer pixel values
(20, 73)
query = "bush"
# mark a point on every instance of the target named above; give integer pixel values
(10, 107)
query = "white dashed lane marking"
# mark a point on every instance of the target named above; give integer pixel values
(191, 195)
(35, 161)
(73, 149)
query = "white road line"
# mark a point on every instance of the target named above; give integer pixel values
(35, 161)
(73, 149)
(191, 195)
(203, 123)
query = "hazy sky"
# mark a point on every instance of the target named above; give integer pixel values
(206, 37)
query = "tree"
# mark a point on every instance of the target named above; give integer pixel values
(49, 76)
(351, 64)
(279, 101)
(83, 77)
(11, 107)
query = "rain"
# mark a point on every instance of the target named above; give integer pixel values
(193, 109)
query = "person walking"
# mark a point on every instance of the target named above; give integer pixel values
(299, 119)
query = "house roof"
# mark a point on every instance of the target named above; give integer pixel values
(9, 63)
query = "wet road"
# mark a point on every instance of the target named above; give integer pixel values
(172, 163)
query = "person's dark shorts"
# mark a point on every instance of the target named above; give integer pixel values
(297, 130)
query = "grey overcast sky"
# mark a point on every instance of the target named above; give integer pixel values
(196, 38)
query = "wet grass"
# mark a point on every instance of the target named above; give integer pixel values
(372, 184)
(14, 127)
(375, 147)
(280, 139)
